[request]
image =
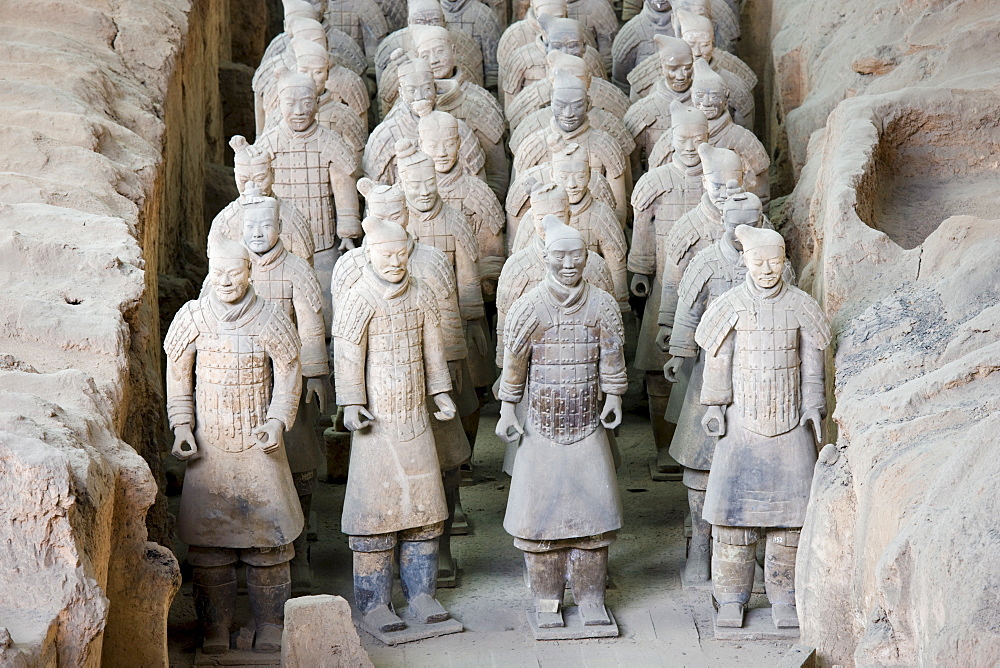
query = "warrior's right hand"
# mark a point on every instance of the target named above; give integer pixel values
(671, 368)
(640, 285)
(715, 414)
(508, 428)
(357, 417)
(183, 435)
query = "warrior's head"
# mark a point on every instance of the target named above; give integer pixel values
(385, 202)
(439, 139)
(561, 34)
(565, 252)
(297, 9)
(547, 199)
(417, 176)
(763, 254)
(699, 7)
(698, 32)
(570, 104)
(560, 62)
(676, 61)
(709, 91)
(416, 83)
(251, 164)
(689, 130)
(719, 167)
(261, 223)
(570, 167)
(659, 6)
(308, 29)
(554, 8)
(228, 268)
(312, 60)
(741, 209)
(425, 13)
(297, 98)
(387, 247)
(434, 45)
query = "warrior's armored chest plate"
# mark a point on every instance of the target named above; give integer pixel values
(302, 176)
(436, 232)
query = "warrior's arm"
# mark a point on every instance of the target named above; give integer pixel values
(345, 199)
(619, 190)
(312, 329)
(717, 387)
(686, 319)
(812, 373)
(611, 367)
(497, 166)
(613, 252)
(284, 404)
(349, 361)
(514, 376)
(470, 290)
(671, 280)
(437, 376)
(180, 388)
(642, 256)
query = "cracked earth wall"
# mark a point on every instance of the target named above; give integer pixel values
(885, 116)
(110, 119)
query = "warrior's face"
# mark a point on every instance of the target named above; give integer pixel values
(261, 228)
(717, 186)
(418, 92)
(678, 70)
(230, 278)
(733, 218)
(573, 176)
(261, 175)
(389, 259)
(702, 43)
(298, 107)
(568, 39)
(685, 141)
(712, 100)
(659, 6)
(569, 107)
(427, 17)
(316, 69)
(440, 55)
(393, 210)
(765, 265)
(566, 259)
(420, 185)
(540, 210)
(441, 144)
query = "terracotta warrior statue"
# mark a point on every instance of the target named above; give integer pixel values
(599, 23)
(479, 21)
(661, 197)
(603, 94)
(417, 97)
(252, 164)
(233, 387)
(288, 281)
(564, 509)
(526, 30)
(709, 93)
(764, 344)
(422, 13)
(466, 101)
(634, 43)
(362, 20)
(315, 170)
(303, 20)
(432, 269)
(570, 107)
(528, 63)
(725, 21)
(712, 272)
(388, 358)
(648, 118)
(593, 219)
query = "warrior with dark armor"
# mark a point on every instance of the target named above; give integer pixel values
(564, 509)
(764, 344)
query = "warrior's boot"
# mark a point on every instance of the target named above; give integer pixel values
(658, 393)
(698, 566)
(588, 576)
(373, 590)
(451, 478)
(779, 576)
(547, 575)
(214, 591)
(733, 562)
(418, 568)
(301, 573)
(269, 588)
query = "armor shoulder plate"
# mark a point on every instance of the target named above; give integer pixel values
(353, 315)
(226, 222)
(751, 150)
(483, 202)
(338, 152)
(528, 100)
(594, 62)
(627, 39)
(281, 339)
(640, 116)
(606, 220)
(295, 228)
(522, 320)
(733, 64)
(614, 127)
(426, 299)
(513, 278)
(344, 51)
(487, 115)
(461, 229)
(609, 97)
(390, 43)
(470, 150)
(610, 151)
(532, 154)
(650, 186)
(811, 316)
(718, 320)
(305, 281)
(681, 237)
(643, 76)
(601, 189)
(440, 278)
(349, 87)
(522, 58)
(534, 123)
(696, 276)
(379, 151)
(597, 273)
(609, 314)
(182, 331)
(372, 18)
(468, 53)
(516, 194)
(727, 24)
(346, 273)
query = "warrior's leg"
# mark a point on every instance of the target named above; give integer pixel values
(373, 580)
(547, 575)
(779, 575)
(451, 478)
(658, 393)
(214, 589)
(588, 576)
(698, 565)
(418, 568)
(301, 574)
(733, 561)
(269, 587)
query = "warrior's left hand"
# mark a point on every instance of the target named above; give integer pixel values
(811, 416)
(477, 337)
(663, 339)
(455, 370)
(347, 244)
(269, 435)
(316, 390)
(447, 409)
(611, 416)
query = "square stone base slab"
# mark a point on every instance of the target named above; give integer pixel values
(237, 657)
(574, 629)
(657, 476)
(694, 586)
(757, 625)
(415, 630)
